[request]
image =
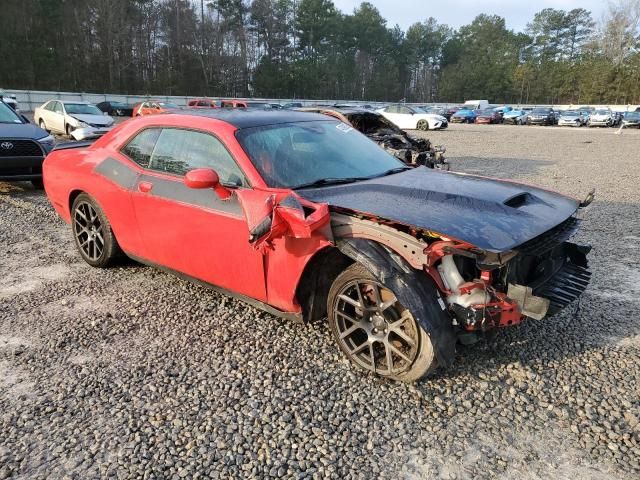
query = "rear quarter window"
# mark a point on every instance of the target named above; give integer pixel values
(140, 147)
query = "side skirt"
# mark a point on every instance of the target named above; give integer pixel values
(296, 317)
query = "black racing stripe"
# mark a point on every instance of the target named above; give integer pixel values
(178, 191)
(117, 172)
(123, 175)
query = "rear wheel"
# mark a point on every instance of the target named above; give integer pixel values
(422, 125)
(374, 330)
(92, 232)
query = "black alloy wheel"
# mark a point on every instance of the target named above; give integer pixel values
(92, 232)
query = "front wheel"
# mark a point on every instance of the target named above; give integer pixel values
(43, 126)
(68, 130)
(374, 330)
(422, 125)
(92, 232)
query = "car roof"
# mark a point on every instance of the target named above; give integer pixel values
(74, 102)
(344, 110)
(247, 118)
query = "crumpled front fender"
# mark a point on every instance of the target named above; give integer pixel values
(413, 288)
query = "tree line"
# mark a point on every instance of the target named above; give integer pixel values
(310, 49)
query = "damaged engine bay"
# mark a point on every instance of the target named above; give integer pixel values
(485, 290)
(410, 150)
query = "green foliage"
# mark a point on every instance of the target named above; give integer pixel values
(308, 48)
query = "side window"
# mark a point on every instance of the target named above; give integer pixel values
(140, 148)
(405, 110)
(392, 109)
(57, 107)
(227, 105)
(178, 151)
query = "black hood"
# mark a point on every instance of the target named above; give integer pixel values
(493, 215)
(21, 130)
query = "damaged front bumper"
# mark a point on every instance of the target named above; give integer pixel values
(84, 133)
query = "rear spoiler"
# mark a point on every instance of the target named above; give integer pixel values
(69, 145)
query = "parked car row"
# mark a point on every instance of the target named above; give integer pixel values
(582, 116)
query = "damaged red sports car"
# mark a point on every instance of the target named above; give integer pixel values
(307, 218)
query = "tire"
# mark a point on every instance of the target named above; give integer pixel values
(43, 125)
(370, 339)
(37, 184)
(92, 230)
(68, 129)
(422, 125)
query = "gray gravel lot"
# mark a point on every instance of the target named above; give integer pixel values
(132, 373)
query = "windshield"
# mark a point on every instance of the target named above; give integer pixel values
(81, 109)
(570, 113)
(118, 105)
(489, 112)
(602, 112)
(292, 154)
(7, 115)
(632, 115)
(542, 110)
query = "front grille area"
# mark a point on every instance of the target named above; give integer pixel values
(19, 148)
(565, 286)
(17, 171)
(550, 239)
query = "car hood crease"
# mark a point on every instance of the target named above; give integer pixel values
(493, 215)
(21, 130)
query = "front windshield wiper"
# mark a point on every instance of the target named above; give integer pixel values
(329, 181)
(337, 181)
(392, 171)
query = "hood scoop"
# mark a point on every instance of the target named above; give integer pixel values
(520, 200)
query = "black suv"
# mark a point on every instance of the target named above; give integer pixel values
(23, 147)
(542, 116)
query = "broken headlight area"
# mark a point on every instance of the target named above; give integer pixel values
(484, 292)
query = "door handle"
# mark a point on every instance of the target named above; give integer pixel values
(145, 187)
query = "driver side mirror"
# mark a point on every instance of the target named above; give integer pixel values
(200, 178)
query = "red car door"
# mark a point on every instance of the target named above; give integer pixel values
(193, 231)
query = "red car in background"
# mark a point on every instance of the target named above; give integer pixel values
(203, 103)
(304, 216)
(245, 104)
(152, 107)
(488, 116)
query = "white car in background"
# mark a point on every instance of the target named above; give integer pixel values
(9, 99)
(78, 120)
(413, 118)
(602, 117)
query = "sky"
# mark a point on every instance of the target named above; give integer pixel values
(456, 13)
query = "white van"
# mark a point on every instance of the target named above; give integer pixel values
(477, 104)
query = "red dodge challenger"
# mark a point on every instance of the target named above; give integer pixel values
(307, 218)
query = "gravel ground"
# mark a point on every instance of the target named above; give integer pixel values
(132, 373)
